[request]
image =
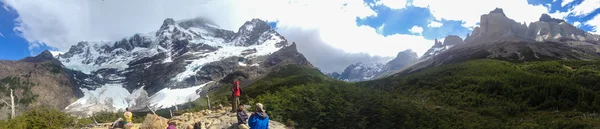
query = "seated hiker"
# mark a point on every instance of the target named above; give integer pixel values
(242, 117)
(259, 119)
(171, 125)
(128, 118)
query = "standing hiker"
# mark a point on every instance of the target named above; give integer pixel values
(259, 119)
(236, 91)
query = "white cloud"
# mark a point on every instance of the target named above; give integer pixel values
(577, 24)
(586, 7)
(393, 4)
(61, 23)
(380, 29)
(1, 35)
(416, 30)
(518, 10)
(561, 15)
(565, 2)
(595, 22)
(434, 24)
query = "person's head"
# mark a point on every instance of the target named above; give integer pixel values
(126, 109)
(241, 107)
(259, 107)
(236, 80)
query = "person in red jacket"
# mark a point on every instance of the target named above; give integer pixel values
(236, 92)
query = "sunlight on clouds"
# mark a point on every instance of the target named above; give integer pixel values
(380, 29)
(416, 30)
(434, 24)
(565, 2)
(595, 22)
(393, 4)
(577, 24)
(586, 7)
(448, 10)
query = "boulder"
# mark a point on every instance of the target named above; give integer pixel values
(153, 121)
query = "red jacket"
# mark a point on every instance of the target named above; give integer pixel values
(236, 88)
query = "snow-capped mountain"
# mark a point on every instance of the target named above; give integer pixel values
(367, 71)
(171, 66)
(361, 71)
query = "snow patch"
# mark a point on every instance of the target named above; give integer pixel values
(108, 97)
(169, 97)
(242, 64)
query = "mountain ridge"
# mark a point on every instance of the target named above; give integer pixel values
(173, 65)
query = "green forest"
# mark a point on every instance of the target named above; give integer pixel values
(474, 94)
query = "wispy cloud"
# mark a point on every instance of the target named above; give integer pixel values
(434, 24)
(416, 30)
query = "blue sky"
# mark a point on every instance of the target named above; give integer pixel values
(409, 19)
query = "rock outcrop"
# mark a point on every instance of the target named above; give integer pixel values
(207, 119)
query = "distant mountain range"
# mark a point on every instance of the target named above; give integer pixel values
(497, 37)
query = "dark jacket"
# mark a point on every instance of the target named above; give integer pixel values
(242, 117)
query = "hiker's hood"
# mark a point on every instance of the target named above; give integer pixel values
(262, 114)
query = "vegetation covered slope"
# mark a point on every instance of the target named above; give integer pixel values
(473, 94)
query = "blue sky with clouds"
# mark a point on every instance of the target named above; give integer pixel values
(400, 21)
(12, 45)
(404, 18)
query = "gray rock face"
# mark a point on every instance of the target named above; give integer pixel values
(403, 59)
(452, 40)
(495, 26)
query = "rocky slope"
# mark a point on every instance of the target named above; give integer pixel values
(52, 86)
(500, 37)
(178, 63)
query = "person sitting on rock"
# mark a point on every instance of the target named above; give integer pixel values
(171, 125)
(128, 118)
(259, 119)
(242, 117)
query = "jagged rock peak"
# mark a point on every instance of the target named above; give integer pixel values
(547, 18)
(452, 40)
(499, 11)
(255, 24)
(437, 43)
(167, 22)
(43, 56)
